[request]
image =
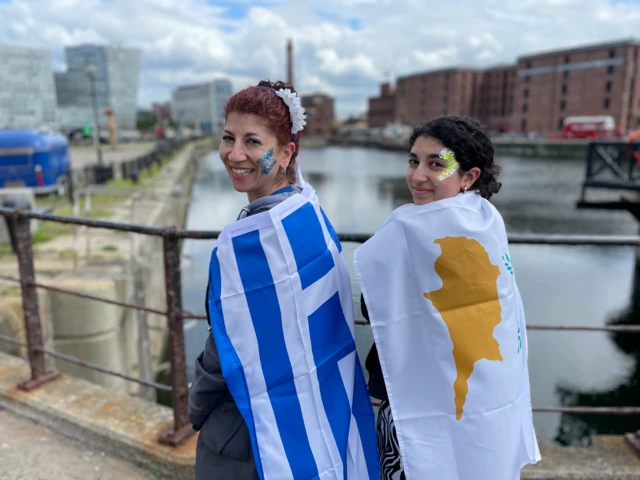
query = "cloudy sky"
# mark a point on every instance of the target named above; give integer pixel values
(342, 47)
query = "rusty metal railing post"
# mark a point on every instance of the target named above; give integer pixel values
(180, 391)
(32, 324)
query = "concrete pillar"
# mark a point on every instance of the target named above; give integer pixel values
(12, 323)
(88, 330)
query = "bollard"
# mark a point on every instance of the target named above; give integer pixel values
(33, 327)
(633, 439)
(181, 430)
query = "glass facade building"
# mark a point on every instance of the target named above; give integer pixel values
(201, 105)
(27, 92)
(117, 74)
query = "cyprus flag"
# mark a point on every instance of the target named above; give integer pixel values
(449, 325)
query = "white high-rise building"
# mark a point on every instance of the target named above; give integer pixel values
(117, 74)
(27, 91)
(202, 105)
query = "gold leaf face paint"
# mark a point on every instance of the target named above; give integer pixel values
(451, 165)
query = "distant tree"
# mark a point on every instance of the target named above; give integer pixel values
(147, 122)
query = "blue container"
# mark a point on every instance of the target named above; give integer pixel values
(35, 160)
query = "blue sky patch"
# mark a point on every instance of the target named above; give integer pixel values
(238, 9)
(354, 24)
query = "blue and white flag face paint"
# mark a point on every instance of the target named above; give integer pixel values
(282, 318)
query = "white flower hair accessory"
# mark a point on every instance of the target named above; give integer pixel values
(292, 100)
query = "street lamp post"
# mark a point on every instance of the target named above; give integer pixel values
(91, 72)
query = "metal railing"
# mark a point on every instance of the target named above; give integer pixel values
(612, 165)
(19, 223)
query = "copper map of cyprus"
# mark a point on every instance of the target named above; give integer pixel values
(469, 305)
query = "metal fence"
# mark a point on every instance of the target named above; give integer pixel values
(19, 223)
(129, 169)
(612, 165)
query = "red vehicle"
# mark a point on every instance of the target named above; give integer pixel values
(603, 126)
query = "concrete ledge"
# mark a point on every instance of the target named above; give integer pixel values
(122, 425)
(608, 458)
(129, 428)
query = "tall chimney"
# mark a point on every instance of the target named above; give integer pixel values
(289, 62)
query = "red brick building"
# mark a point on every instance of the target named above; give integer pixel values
(494, 96)
(423, 96)
(592, 80)
(320, 113)
(382, 109)
(535, 95)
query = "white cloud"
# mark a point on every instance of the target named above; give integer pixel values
(194, 40)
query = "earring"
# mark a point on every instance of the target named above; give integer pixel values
(284, 170)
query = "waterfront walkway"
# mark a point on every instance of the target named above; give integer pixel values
(29, 451)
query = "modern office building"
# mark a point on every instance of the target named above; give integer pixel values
(202, 105)
(27, 92)
(116, 80)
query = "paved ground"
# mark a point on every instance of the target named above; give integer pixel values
(29, 451)
(83, 156)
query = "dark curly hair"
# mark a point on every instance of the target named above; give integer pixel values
(262, 101)
(469, 140)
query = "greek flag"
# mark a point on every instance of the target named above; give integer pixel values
(282, 318)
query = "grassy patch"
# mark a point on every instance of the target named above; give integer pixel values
(110, 248)
(51, 230)
(41, 236)
(10, 290)
(66, 254)
(5, 249)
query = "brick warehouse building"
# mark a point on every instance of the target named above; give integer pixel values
(592, 80)
(382, 109)
(320, 113)
(535, 95)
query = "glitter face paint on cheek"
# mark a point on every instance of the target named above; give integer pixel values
(451, 165)
(266, 162)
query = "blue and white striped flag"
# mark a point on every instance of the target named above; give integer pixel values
(282, 318)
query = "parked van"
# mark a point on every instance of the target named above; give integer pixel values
(35, 160)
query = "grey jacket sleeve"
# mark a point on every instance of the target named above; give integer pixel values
(209, 388)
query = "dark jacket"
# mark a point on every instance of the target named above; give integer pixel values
(377, 388)
(224, 445)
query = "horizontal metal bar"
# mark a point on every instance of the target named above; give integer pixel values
(569, 328)
(574, 410)
(597, 240)
(13, 341)
(191, 316)
(93, 366)
(590, 410)
(89, 365)
(583, 328)
(569, 410)
(87, 296)
(534, 239)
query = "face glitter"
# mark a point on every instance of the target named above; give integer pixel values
(451, 165)
(266, 162)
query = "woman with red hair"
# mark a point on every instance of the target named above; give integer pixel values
(278, 390)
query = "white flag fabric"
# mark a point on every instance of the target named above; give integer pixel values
(282, 319)
(449, 326)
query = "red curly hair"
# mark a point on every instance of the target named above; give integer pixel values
(262, 102)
